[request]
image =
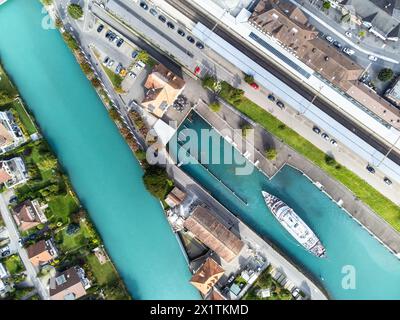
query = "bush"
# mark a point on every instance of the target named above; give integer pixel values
(326, 5)
(75, 11)
(215, 106)
(248, 78)
(385, 74)
(329, 160)
(271, 153)
(157, 182)
(71, 42)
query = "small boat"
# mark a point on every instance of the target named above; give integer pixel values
(294, 225)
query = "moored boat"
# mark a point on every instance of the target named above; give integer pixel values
(294, 224)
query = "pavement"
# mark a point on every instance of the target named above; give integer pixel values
(14, 245)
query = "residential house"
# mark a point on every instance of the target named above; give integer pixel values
(163, 87)
(380, 17)
(10, 134)
(42, 252)
(175, 197)
(288, 25)
(206, 227)
(13, 172)
(207, 276)
(393, 93)
(28, 215)
(69, 285)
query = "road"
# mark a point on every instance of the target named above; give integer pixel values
(197, 16)
(14, 237)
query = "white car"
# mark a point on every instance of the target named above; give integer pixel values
(372, 58)
(348, 34)
(132, 74)
(111, 63)
(348, 51)
(334, 143)
(329, 39)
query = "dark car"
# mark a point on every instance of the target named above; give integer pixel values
(280, 104)
(387, 181)
(181, 32)
(134, 54)
(5, 253)
(190, 39)
(337, 44)
(100, 28)
(200, 45)
(108, 33)
(316, 130)
(153, 12)
(170, 25)
(271, 97)
(370, 169)
(13, 199)
(120, 42)
(162, 18)
(144, 5)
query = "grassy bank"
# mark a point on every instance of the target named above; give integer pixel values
(370, 196)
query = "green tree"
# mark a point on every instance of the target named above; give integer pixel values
(71, 42)
(5, 98)
(385, 74)
(157, 182)
(248, 78)
(215, 106)
(75, 11)
(326, 5)
(47, 2)
(271, 153)
(329, 160)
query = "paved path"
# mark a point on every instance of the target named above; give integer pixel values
(14, 237)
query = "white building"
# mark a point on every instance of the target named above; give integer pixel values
(13, 172)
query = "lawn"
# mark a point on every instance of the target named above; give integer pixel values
(104, 273)
(14, 264)
(115, 79)
(24, 117)
(61, 206)
(5, 83)
(370, 196)
(76, 240)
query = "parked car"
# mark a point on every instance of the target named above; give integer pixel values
(181, 32)
(271, 97)
(132, 74)
(316, 130)
(100, 28)
(387, 181)
(106, 61)
(370, 168)
(140, 65)
(280, 104)
(191, 39)
(329, 39)
(333, 142)
(13, 199)
(134, 54)
(372, 58)
(337, 44)
(197, 70)
(120, 42)
(111, 63)
(153, 12)
(255, 86)
(118, 68)
(199, 45)
(325, 136)
(170, 25)
(162, 18)
(144, 5)
(348, 51)
(348, 34)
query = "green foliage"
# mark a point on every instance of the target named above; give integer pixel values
(146, 58)
(385, 74)
(75, 11)
(248, 78)
(245, 129)
(215, 106)
(329, 160)
(70, 41)
(326, 5)
(87, 69)
(5, 97)
(157, 182)
(46, 2)
(209, 82)
(271, 153)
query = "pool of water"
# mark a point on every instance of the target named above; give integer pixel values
(349, 246)
(102, 168)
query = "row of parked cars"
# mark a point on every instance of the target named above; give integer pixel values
(279, 103)
(346, 50)
(325, 136)
(171, 25)
(111, 36)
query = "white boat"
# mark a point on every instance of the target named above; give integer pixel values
(294, 225)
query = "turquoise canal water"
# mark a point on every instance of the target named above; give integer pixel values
(103, 170)
(349, 246)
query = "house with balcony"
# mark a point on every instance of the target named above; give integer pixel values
(42, 252)
(69, 285)
(13, 172)
(29, 214)
(10, 133)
